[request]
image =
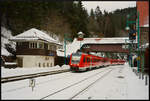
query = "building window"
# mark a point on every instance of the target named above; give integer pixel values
(41, 45)
(47, 64)
(59, 47)
(51, 64)
(39, 65)
(43, 64)
(36, 45)
(32, 45)
(19, 43)
(49, 47)
(53, 47)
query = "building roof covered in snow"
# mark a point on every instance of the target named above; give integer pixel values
(75, 45)
(34, 34)
(113, 40)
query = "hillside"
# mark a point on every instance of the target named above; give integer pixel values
(7, 47)
(63, 18)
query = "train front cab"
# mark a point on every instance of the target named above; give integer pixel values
(76, 62)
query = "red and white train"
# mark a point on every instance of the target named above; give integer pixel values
(82, 61)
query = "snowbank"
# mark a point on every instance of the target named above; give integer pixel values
(22, 71)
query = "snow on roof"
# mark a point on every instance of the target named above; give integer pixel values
(34, 34)
(75, 45)
(114, 40)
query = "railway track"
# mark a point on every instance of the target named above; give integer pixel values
(72, 87)
(27, 76)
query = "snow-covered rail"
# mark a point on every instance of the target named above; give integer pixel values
(91, 84)
(27, 76)
(85, 83)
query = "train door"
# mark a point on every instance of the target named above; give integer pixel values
(90, 63)
(84, 61)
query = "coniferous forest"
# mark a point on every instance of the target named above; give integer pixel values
(63, 17)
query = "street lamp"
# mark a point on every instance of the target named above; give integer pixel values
(80, 37)
(127, 28)
(138, 39)
(66, 39)
(138, 35)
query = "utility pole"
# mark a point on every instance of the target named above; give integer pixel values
(80, 37)
(138, 39)
(130, 39)
(65, 49)
(66, 39)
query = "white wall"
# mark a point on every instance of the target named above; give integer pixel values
(35, 61)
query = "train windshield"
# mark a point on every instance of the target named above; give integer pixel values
(75, 58)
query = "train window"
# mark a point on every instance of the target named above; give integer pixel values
(88, 60)
(103, 60)
(94, 60)
(84, 59)
(99, 60)
(75, 58)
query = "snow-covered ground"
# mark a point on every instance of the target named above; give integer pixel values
(120, 83)
(5, 72)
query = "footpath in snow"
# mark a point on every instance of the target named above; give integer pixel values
(121, 83)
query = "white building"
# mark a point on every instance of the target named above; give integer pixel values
(35, 48)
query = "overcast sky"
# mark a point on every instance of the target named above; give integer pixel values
(109, 6)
